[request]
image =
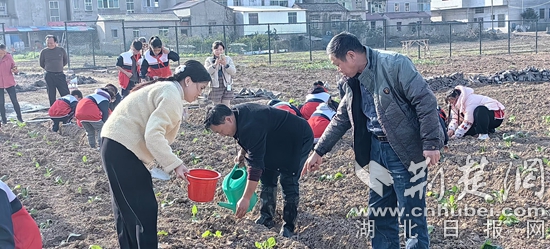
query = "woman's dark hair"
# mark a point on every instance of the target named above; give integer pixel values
(142, 39)
(2, 46)
(454, 93)
(155, 42)
(137, 44)
(111, 86)
(216, 115)
(112, 94)
(191, 68)
(216, 44)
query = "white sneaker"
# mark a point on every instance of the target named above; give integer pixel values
(483, 137)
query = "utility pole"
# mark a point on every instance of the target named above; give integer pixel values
(492, 16)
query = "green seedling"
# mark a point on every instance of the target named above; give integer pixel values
(33, 212)
(482, 149)
(195, 159)
(430, 229)
(93, 199)
(79, 190)
(182, 133)
(513, 156)
(546, 161)
(206, 234)
(338, 176)
(46, 224)
(16, 187)
(95, 247)
(512, 119)
(294, 102)
(69, 237)
(14, 146)
(499, 196)
(208, 167)
(84, 159)
(162, 233)
(546, 119)
(206, 132)
(489, 245)
(508, 218)
(540, 149)
(58, 180)
(195, 140)
(24, 193)
(158, 194)
(194, 211)
(268, 244)
(508, 139)
(19, 154)
(21, 124)
(33, 134)
(547, 233)
(37, 165)
(218, 234)
(48, 172)
(166, 203)
(178, 153)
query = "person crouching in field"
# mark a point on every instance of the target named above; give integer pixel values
(317, 95)
(63, 109)
(17, 228)
(274, 143)
(473, 114)
(128, 65)
(320, 119)
(92, 112)
(285, 106)
(140, 130)
(116, 99)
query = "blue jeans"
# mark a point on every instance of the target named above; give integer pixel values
(412, 218)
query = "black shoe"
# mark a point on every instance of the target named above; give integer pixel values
(492, 130)
(266, 221)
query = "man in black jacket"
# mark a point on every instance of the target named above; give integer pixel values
(275, 143)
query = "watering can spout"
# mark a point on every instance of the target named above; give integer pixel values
(229, 206)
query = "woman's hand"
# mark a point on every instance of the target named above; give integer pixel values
(181, 171)
(450, 133)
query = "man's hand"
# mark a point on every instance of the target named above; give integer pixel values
(312, 163)
(242, 207)
(239, 159)
(432, 157)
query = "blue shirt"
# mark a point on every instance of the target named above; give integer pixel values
(370, 111)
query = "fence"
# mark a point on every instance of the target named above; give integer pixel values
(96, 44)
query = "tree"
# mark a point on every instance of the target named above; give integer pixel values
(529, 15)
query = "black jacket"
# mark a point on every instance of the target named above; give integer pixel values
(273, 138)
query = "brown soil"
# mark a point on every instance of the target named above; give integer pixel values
(81, 203)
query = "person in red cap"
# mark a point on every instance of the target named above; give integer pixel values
(18, 230)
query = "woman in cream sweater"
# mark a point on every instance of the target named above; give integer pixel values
(140, 130)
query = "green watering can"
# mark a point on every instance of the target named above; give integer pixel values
(233, 187)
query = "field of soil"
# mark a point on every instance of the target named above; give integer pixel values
(61, 182)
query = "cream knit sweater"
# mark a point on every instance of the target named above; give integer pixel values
(147, 122)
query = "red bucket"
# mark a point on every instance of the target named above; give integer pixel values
(202, 184)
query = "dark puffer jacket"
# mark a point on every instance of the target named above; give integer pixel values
(406, 108)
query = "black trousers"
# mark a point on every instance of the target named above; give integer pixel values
(13, 97)
(484, 121)
(289, 182)
(56, 81)
(126, 91)
(56, 122)
(134, 204)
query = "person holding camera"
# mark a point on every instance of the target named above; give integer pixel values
(221, 69)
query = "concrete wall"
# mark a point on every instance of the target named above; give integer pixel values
(257, 3)
(469, 15)
(210, 12)
(272, 17)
